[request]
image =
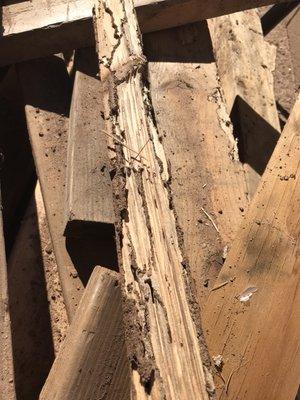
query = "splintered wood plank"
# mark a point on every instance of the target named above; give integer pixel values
(7, 386)
(92, 361)
(89, 205)
(162, 337)
(245, 63)
(252, 321)
(197, 136)
(46, 92)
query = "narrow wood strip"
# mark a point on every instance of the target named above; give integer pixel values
(92, 362)
(89, 205)
(162, 338)
(253, 322)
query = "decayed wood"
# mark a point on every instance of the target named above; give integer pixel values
(162, 338)
(89, 206)
(39, 28)
(259, 338)
(245, 62)
(207, 176)
(92, 361)
(7, 387)
(46, 92)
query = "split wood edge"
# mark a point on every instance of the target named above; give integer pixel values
(162, 339)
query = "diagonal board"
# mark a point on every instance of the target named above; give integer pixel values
(259, 338)
(162, 339)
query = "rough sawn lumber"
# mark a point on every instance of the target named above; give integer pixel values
(259, 338)
(163, 341)
(92, 361)
(89, 206)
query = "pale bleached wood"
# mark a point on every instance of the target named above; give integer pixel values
(199, 144)
(89, 206)
(39, 28)
(245, 63)
(259, 339)
(162, 338)
(7, 386)
(92, 361)
(46, 90)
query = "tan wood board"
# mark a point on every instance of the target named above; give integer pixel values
(92, 361)
(245, 62)
(207, 179)
(258, 339)
(89, 206)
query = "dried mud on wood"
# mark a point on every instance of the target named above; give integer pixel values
(160, 312)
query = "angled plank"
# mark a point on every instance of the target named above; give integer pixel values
(163, 340)
(7, 385)
(92, 361)
(199, 145)
(37, 28)
(246, 77)
(252, 321)
(46, 92)
(89, 206)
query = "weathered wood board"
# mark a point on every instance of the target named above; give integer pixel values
(196, 132)
(46, 91)
(252, 321)
(89, 203)
(245, 63)
(163, 340)
(7, 386)
(92, 362)
(38, 28)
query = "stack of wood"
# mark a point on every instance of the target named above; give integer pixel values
(171, 196)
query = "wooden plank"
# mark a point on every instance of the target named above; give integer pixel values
(162, 338)
(162, 14)
(199, 144)
(92, 362)
(46, 92)
(36, 301)
(37, 28)
(7, 386)
(246, 77)
(258, 339)
(89, 205)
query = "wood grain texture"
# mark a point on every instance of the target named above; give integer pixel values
(259, 339)
(92, 361)
(197, 136)
(39, 28)
(89, 205)
(46, 92)
(7, 386)
(162, 339)
(162, 14)
(245, 63)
